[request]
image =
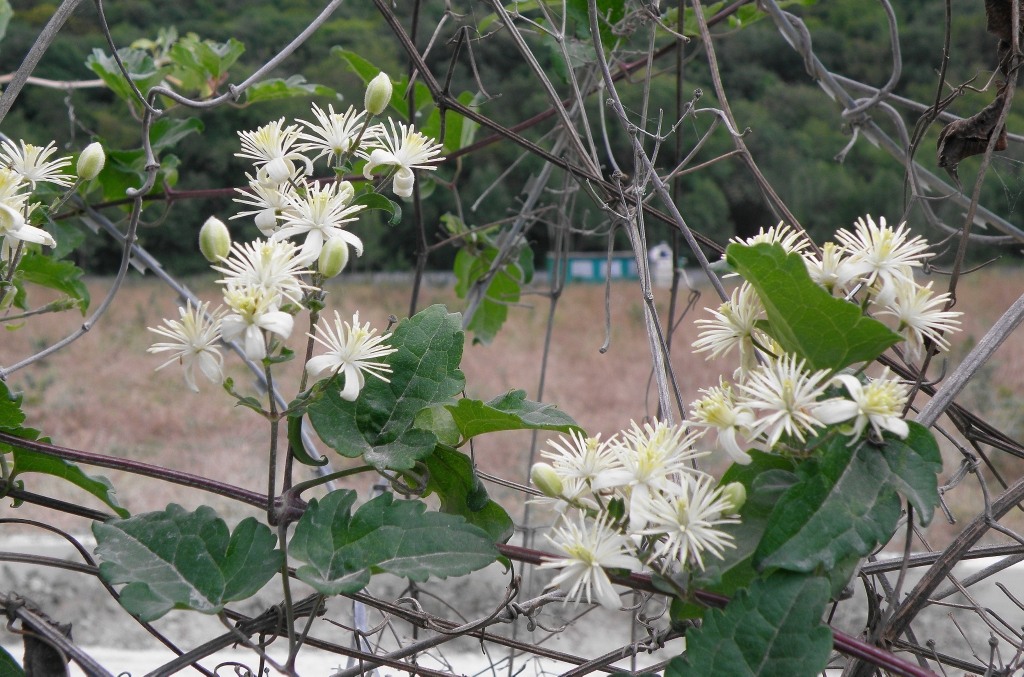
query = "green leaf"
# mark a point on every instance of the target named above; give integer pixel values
(341, 550)
(609, 13)
(278, 88)
(774, 629)
(914, 465)
(176, 559)
(11, 415)
(453, 478)
(805, 319)
(377, 201)
(63, 276)
(8, 666)
(844, 505)
(503, 289)
(367, 71)
(766, 478)
(167, 132)
(202, 65)
(5, 16)
(379, 424)
(299, 452)
(137, 62)
(438, 420)
(28, 461)
(511, 411)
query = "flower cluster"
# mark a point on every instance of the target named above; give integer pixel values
(775, 398)
(305, 225)
(22, 167)
(286, 205)
(639, 501)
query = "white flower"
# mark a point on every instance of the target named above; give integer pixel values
(271, 266)
(351, 350)
(14, 229)
(270, 200)
(833, 271)
(879, 403)
(31, 163)
(790, 239)
(254, 310)
(320, 215)
(717, 410)
(921, 316)
(734, 326)
(193, 339)
(274, 151)
(650, 458)
(404, 150)
(783, 396)
(580, 457)
(689, 517)
(883, 254)
(336, 134)
(587, 549)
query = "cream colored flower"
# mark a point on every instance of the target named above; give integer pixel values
(783, 394)
(404, 150)
(587, 550)
(879, 404)
(352, 350)
(31, 163)
(193, 339)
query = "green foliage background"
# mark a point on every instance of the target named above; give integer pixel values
(795, 130)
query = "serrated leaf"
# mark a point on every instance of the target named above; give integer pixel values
(379, 424)
(914, 465)
(453, 478)
(174, 559)
(11, 415)
(62, 276)
(28, 461)
(774, 629)
(845, 505)
(278, 88)
(373, 201)
(341, 549)
(511, 411)
(805, 319)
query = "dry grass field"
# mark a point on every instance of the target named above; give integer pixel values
(102, 394)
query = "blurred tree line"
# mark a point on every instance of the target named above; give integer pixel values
(795, 131)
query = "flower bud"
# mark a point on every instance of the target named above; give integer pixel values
(91, 161)
(214, 240)
(378, 94)
(333, 257)
(736, 494)
(546, 478)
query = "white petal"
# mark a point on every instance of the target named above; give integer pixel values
(255, 346)
(317, 366)
(836, 410)
(277, 322)
(379, 157)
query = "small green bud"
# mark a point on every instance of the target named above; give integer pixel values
(91, 161)
(736, 494)
(546, 478)
(378, 94)
(333, 257)
(214, 240)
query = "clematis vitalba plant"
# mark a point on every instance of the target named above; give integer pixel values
(823, 452)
